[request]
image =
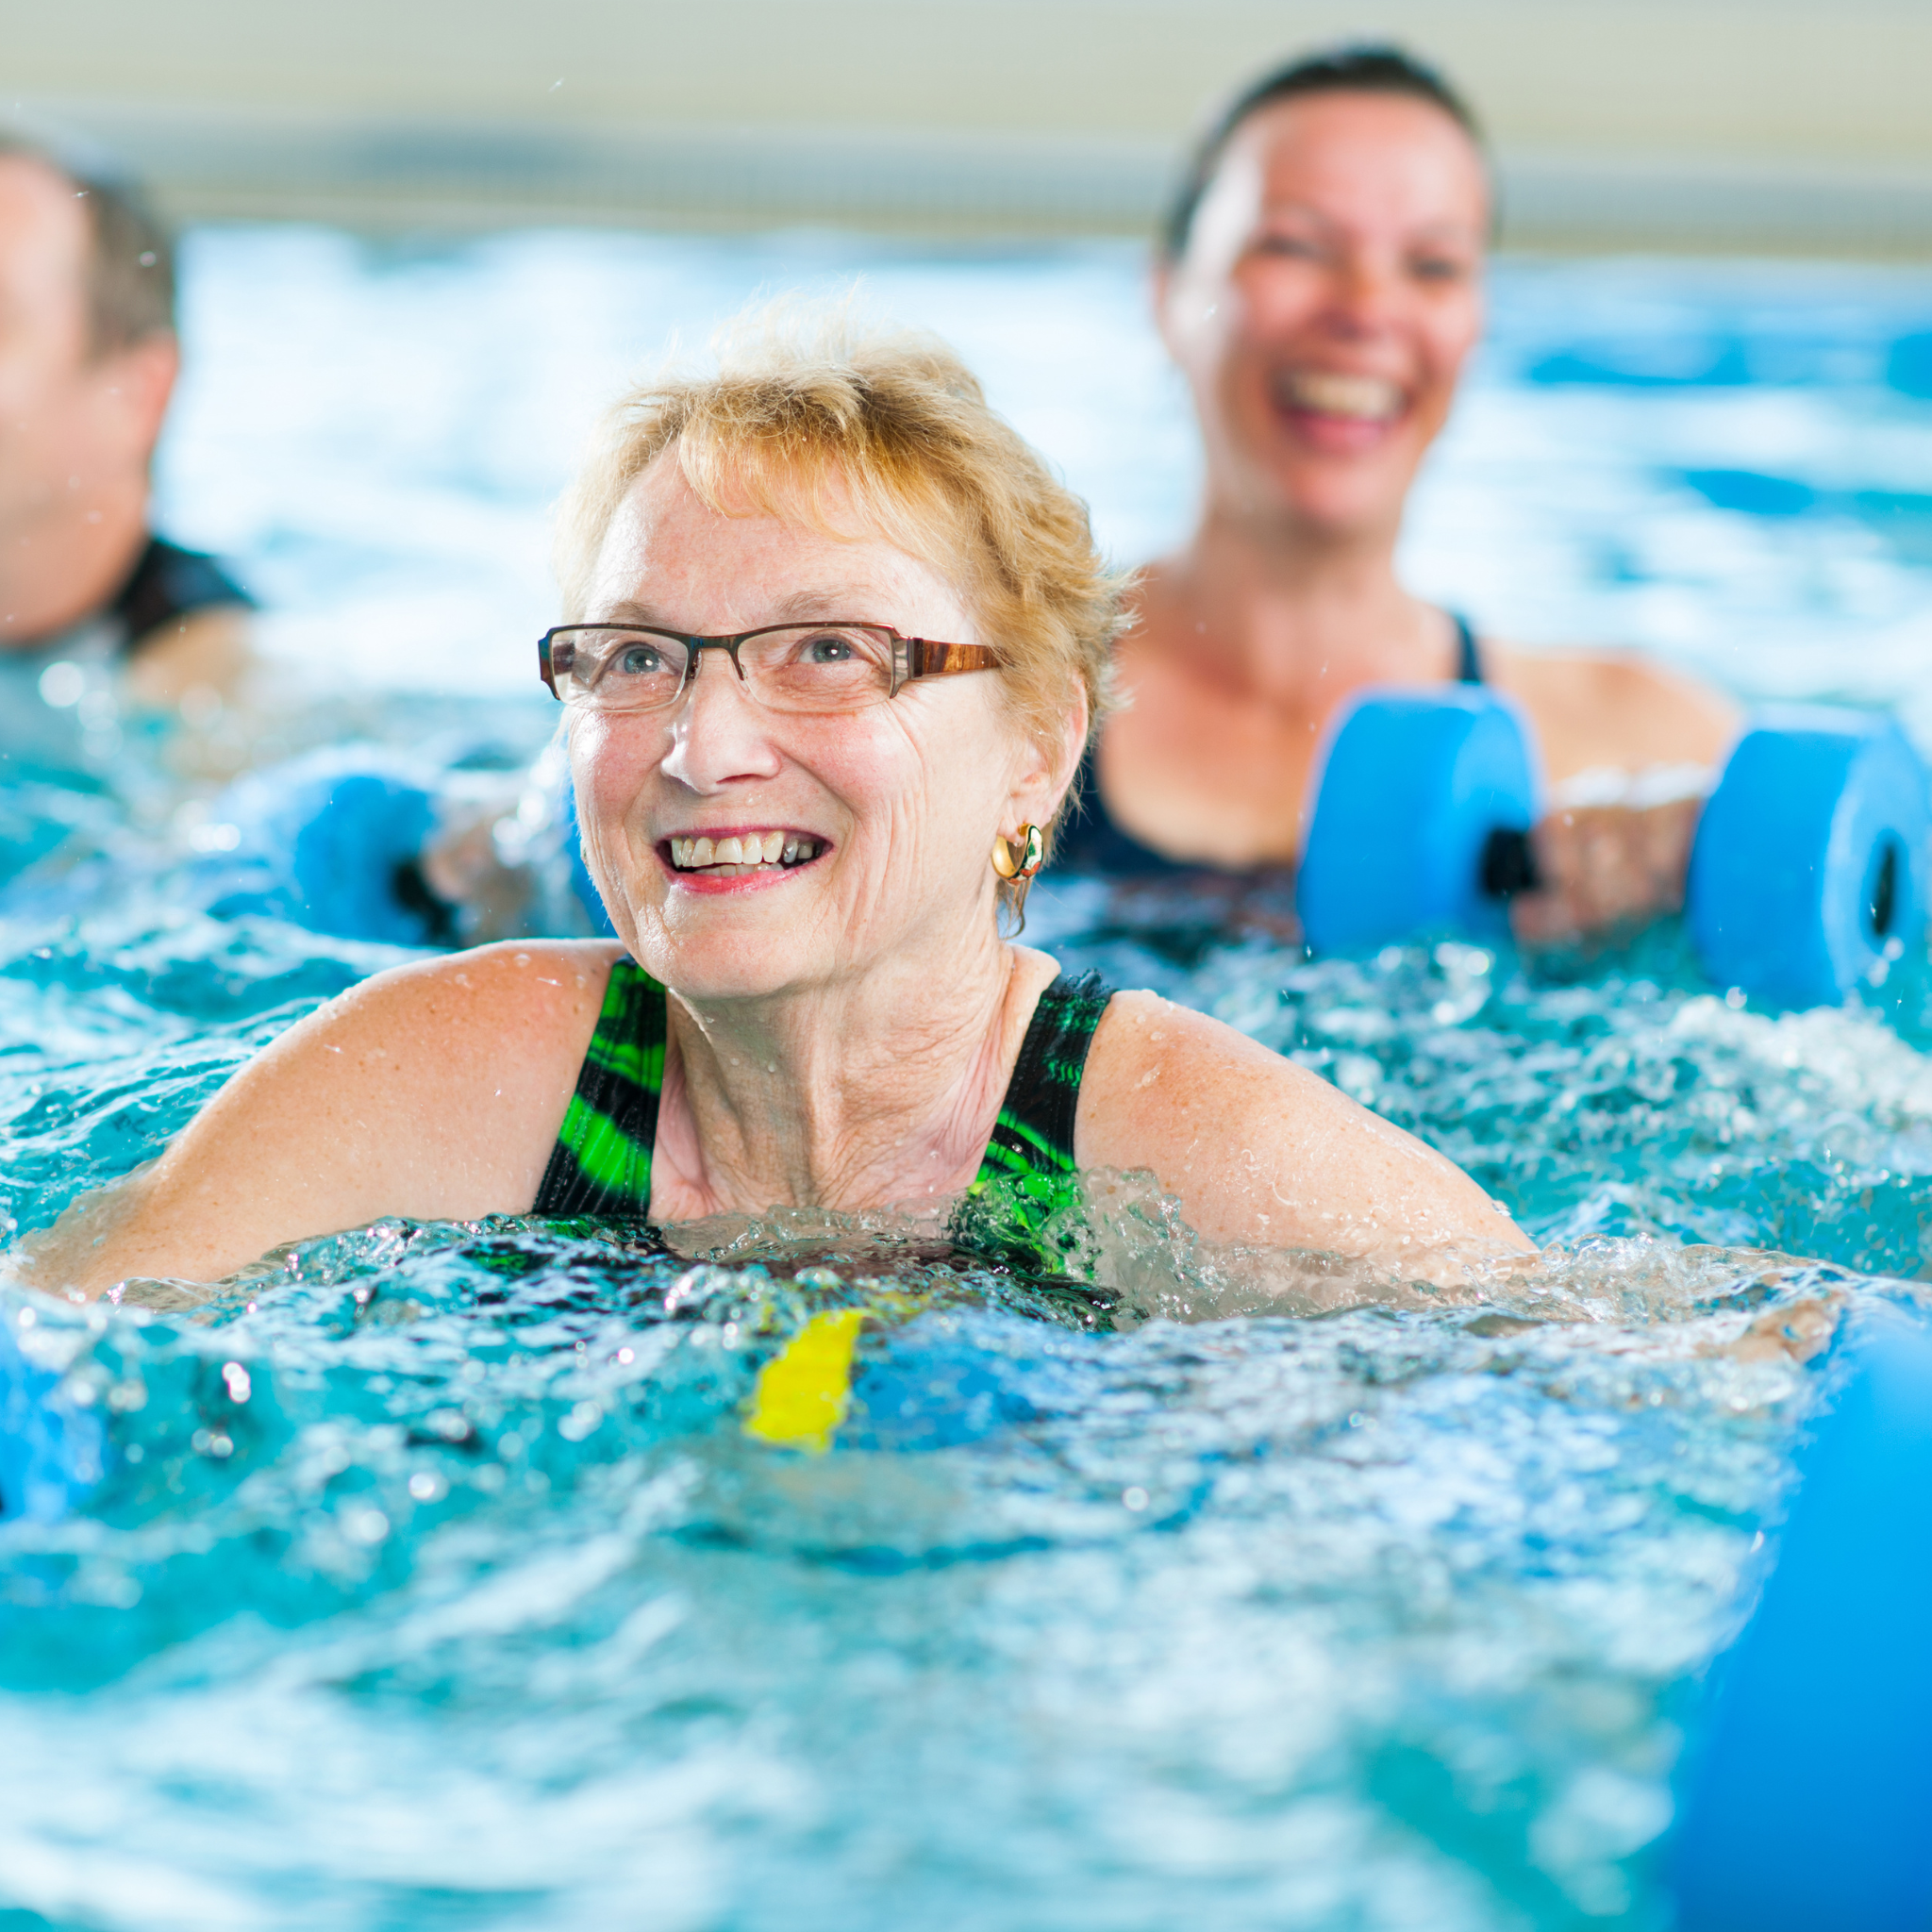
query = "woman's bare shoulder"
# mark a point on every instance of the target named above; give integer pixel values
(1615, 709)
(1162, 1076)
(1262, 1150)
(424, 1046)
(433, 1092)
(524, 983)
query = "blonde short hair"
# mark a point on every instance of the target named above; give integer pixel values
(810, 415)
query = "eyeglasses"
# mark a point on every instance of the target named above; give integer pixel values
(788, 667)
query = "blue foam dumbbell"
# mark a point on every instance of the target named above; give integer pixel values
(332, 841)
(1810, 857)
(1807, 1793)
(52, 1450)
(1809, 864)
(1421, 818)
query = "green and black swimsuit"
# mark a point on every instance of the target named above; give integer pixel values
(602, 1162)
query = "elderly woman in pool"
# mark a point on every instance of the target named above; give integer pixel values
(1319, 287)
(841, 636)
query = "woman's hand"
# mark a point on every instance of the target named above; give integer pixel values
(1605, 868)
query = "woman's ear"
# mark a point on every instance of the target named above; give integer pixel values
(135, 385)
(1050, 764)
(1076, 725)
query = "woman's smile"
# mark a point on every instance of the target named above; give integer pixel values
(1340, 411)
(728, 855)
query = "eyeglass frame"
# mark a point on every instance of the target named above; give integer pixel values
(912, 657)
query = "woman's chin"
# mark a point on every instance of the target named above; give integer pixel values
(1346, 498)
(705, 957)
(1352, 490)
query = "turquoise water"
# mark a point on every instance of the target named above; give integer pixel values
(438, 1583)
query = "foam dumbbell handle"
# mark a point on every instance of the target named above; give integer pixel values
(1806, 1791)
(1422, 807)
(52, 1452)
(1810, 857)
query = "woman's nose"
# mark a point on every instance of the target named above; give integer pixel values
(719, 732)
(1361, 295)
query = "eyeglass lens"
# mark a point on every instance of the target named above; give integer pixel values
(813, 667)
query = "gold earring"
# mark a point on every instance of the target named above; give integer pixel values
(1031, 841)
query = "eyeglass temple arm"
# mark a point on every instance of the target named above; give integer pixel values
(926, 658)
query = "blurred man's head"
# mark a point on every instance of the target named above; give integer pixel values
(88, 355)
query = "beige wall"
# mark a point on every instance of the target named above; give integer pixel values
(1701, 122)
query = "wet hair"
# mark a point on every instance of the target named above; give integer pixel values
(818, 417)
(130, 265)
(1370, 68)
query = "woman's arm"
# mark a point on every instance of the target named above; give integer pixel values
(433, 1090)
(1261, 1151)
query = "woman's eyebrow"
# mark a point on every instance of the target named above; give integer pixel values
(849, 601)
(627, 613)
(1441, 229)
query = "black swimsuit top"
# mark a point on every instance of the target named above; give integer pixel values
(168, 583)
(601, 1164)
(1093, 841)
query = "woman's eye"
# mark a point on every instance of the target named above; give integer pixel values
(639, 661)
(1289, 247)
(827, 650)
(1439, 267)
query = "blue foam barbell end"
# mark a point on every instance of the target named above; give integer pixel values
(1418, 794)
(331, 841)
(1810, 857)
(1807, 1799)
(52, 1452)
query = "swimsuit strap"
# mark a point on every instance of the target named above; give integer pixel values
(1469, 663)
(1033, 1138)
(602, 1161)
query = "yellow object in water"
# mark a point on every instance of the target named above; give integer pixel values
(803, 1391)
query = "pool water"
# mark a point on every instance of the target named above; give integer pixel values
(436, 1580)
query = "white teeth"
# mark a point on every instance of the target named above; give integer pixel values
(1369, 398)
(731, 856)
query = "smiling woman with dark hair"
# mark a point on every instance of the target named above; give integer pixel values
(1321, 286)
(835, 638)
